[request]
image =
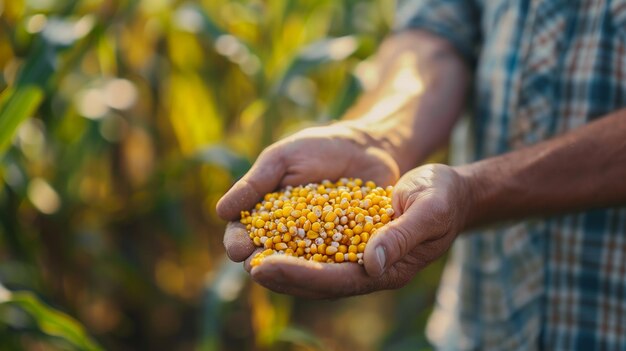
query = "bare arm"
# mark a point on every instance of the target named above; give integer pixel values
(583, 169)
(420, 88)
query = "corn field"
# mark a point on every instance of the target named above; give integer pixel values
(122, 122)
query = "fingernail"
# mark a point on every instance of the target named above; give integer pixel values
(380, 253)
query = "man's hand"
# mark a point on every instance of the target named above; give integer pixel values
(431, 205)
(311, 155)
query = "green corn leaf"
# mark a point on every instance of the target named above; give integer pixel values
(17, 105)
(52, 322)
(21, 101)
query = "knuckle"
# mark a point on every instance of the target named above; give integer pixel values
(401, 243)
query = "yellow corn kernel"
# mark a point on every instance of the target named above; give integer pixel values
(321, 248)
(365, 237)
(281, 227)
(331, 250)
(330, 217)
(267, 252)
(368, 227)
(292, 245)
(259, 223)
(384, 218)
(268, 244)
(312, 235)
(352, 257)
(257, 241)
(361, 247)
(312, 217)
(359, 218)
(280, 246)
(356, 240)
(287, 210)
(313, 248)
(316, 227)
(317, 258)
(338, 257)
(358, 229)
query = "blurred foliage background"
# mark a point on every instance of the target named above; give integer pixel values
(122, 122)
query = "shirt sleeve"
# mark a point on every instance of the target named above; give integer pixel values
(458, 21)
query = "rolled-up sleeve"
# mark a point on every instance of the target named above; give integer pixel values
(458, 21)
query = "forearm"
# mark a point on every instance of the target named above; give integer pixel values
(583, 169)
(420, 87)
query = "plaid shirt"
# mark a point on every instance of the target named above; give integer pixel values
(542, 68)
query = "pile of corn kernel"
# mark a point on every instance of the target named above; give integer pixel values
(327, 222)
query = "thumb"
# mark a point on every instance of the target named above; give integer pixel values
(262, 178)
(394, 241)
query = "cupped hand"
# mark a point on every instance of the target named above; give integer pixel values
(311, 155)
(431, 205)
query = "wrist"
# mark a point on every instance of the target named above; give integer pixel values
(388, 136)
(475, 194)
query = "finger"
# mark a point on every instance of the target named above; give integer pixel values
(313, 279)
(262, 178)
(396, 239)
(247, 263)
(237, 242)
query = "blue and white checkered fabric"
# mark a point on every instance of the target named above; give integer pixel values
(542, 67)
